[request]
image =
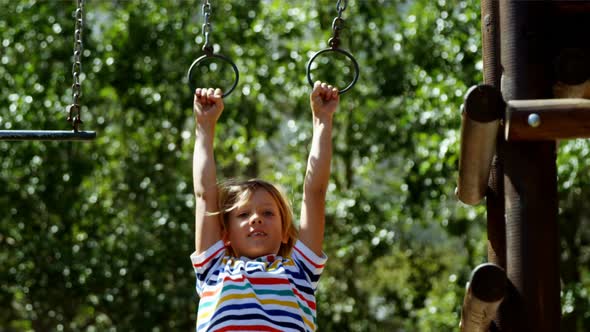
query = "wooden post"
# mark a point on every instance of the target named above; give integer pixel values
(530, 180)
(496, 223)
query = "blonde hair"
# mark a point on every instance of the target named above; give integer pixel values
(234, 193)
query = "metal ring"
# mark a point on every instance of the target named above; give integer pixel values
(339, 50)
(218, 56)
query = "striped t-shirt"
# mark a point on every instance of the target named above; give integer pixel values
(269, 293)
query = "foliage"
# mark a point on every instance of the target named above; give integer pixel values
(96, 236)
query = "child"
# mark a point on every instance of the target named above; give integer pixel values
(254, 272)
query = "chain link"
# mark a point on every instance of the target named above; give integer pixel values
(334, 42)
(74, 108)
(337, 24)
(207, 48)
(340, 7)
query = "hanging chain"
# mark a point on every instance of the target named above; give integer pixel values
(207, 48)
(337, 24)
(75, 109)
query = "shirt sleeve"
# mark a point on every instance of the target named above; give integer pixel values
(204, 265)
(311, 264)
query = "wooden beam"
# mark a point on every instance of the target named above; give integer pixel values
(571, 6)
(479, 129)
(483, 297)
(547, 119)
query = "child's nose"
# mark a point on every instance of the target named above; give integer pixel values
(256, 219)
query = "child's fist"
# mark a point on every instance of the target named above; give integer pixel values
(208, 105)
(324, 99)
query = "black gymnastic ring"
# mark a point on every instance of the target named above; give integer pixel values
(339, 50)
(218, 56)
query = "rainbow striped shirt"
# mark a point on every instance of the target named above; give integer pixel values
(269, 293)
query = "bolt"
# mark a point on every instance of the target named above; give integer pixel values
(534, 120)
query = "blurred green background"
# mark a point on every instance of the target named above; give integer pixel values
(96, 236)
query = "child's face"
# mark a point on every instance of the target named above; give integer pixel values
(255, 227)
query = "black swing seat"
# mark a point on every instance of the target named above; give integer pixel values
(46, 135)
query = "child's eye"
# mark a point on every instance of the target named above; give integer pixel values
(269, 213)
(243, 215)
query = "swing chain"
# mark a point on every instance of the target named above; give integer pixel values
(207, 48)
(337, 24)
(341, 6)
(209, 55)
(74, 108)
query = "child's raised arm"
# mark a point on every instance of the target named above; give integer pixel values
(324, 101)
(208, 105)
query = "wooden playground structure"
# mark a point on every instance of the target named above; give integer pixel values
(536, 91)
